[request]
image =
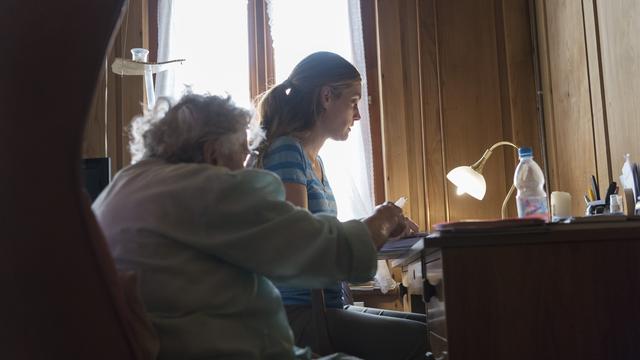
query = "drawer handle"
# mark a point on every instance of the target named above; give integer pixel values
(429, 291)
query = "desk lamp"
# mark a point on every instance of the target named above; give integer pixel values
(469, 179)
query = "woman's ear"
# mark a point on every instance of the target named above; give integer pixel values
(325, 95)
(210, 153)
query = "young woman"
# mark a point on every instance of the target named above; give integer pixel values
(319, 101)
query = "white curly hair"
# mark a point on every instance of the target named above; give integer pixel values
(177, 133)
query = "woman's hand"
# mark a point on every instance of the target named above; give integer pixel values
(388, 221)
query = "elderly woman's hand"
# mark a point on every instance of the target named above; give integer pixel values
(388, 221)
(406, 228)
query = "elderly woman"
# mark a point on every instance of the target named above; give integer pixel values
(205, 236)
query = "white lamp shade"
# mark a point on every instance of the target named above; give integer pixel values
(468, 181)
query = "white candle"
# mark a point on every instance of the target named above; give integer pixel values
(560, 204)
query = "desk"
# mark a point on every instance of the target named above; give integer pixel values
(560, 291)
(412, 280)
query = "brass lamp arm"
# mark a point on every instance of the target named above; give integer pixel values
(479, 165)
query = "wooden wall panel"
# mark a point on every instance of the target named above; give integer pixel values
(471, 108)
(520, 113)
(568, 119)
(619, 27)
(590, 63)
(474, 62)
(603, 158)
(118, 99)
(401, 119)
(434, 171)
(94, 142)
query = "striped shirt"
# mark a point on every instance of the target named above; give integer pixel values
(287, 159)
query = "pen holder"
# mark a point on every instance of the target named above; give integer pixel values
(596, 207)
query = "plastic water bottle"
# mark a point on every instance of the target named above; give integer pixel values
(531, 198)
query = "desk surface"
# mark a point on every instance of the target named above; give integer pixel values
(549, 232)
(555, 232)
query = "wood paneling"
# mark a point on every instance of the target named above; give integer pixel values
(590, 58)
(568, 120)
(474, 62)
(437, 199)
(471, 103)
(401, 113)
(603, 157)
(520, 113)
(94, 142)
(619, 27)
(118, 99)
(261, 63)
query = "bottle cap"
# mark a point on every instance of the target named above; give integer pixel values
(525, 152)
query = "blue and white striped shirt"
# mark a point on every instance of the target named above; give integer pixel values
(287, 159)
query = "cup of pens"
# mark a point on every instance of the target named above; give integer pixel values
(609, 204)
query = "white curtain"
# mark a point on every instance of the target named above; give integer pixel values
(165, 80)
(363, 186)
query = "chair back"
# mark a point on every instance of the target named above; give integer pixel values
(60, 296)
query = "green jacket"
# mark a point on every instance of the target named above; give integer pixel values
(205, 241)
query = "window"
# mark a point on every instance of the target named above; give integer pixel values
(242, 47)
(212, 36)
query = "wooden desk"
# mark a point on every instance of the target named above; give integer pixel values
(563, 291)
(411, 270)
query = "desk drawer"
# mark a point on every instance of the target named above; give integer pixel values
(412, 277)
(412, 281)
(434, 297)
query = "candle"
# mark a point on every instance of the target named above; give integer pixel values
(560, 204)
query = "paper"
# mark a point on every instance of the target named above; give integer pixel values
(400, 202)
(394, 249)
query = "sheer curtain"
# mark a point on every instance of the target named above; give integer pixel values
(301, 27)
(165, 80)
(212, 36)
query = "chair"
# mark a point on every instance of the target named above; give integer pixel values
(61, 298)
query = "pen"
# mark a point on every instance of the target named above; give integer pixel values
(610, 191)
(594, 185)
(591, 195)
